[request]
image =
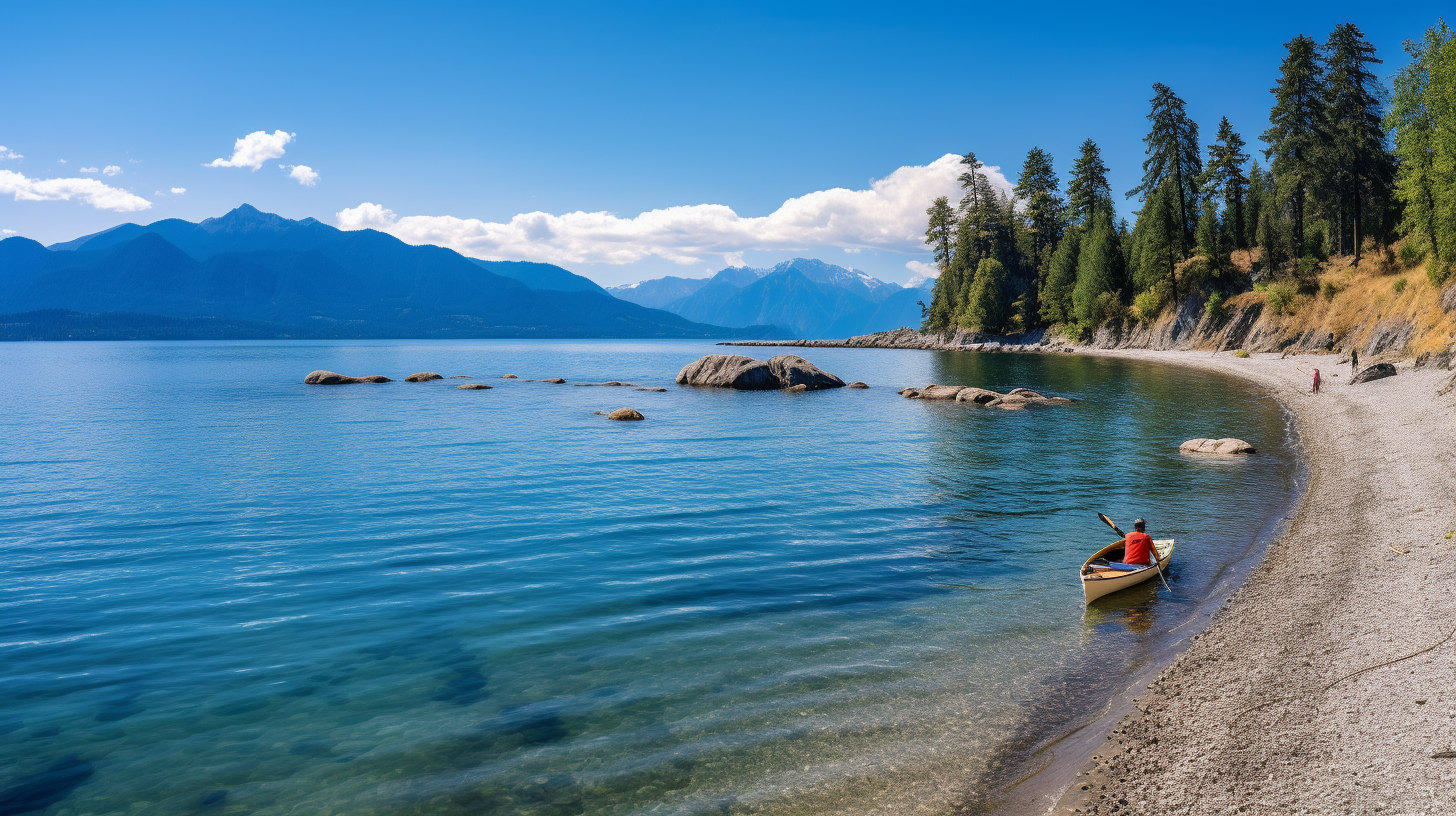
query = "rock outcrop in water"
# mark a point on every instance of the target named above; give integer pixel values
(1013, 400)
(474, 387)
(322, 377)
(626, 415)
(423, 376)
(1228, 446)
(748, 374)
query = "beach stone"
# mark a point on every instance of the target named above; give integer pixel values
(747, 374)
(940, 392)
(797, 388)
(857, 384)
(322, 377)
(1379, 371)
(509, 377)
(423, 376)
(474, 386)
(980, 396)
(1227, 445)
(626, 415)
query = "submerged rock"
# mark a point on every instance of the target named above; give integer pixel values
(909, 393)
(474, 387)
(1227, 445)
(1379, 371)
(651, 389)
(747, 374)
(556, 380)
(461, 377)
(626, 415)
(322, 377)
(423, 376)
(509, 377)
(857, 384)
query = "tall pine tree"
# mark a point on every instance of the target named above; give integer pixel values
(1362, 166)
(1225, 177)
(1101, 270)
(1173, 157)
(1297, 129)
(1088, 188)
(1056, 293)
(1413, 121)
(1258, 199)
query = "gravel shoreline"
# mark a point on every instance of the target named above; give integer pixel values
(1275, 707)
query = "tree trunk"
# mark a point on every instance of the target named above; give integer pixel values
(1299, 216)
(1355, 225)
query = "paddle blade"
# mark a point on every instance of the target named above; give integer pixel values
(1109, 523)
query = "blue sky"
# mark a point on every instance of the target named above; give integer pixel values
(453, 119)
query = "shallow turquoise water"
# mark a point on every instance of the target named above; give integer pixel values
(223, 591)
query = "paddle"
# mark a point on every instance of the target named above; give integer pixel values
(1156, 558)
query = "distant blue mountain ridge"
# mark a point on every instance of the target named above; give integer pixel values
(807, 298)
(251, 273)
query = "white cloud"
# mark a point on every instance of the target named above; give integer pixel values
(179, 190)
(255, 149)
(302, 172)
(924, 273)
(7, 153)
(60, 161)
(733, 258)
(86, 190)
(111, 170)
(90, 170)
(890, 215)
(8, 232)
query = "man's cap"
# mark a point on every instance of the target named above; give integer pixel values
(1139, 523)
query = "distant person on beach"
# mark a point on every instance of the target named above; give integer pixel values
(1354, 360)
(1315, 389)
(1138, 546)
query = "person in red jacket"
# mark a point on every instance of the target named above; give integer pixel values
(1138, 546)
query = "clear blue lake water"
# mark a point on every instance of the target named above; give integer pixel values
(223, 591)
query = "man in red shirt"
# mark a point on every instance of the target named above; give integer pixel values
(1138, 545)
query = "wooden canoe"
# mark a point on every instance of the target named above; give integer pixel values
(1098, 581)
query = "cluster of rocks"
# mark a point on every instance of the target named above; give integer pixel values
(783, 373)
(1227, 446)
(322, 377)
(1014, 400)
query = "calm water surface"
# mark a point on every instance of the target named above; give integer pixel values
(222, 591)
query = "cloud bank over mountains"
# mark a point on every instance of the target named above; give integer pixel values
(889, 215)
(86, 190)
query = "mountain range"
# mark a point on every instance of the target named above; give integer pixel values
(805, 297)
(255, 274)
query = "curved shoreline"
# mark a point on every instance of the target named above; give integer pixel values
(1241, 717)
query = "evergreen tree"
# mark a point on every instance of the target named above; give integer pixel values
(1039, 191)
(1156, 241)
(1056, 293)
(1100, 269)
(1271, 241)
(1088, 188)
(1297, 128)
(1212, 243)
(1414, 123)
(1257, 200)
(988, 299)
(1225, 177)
(1173, 156)
(1361, 165)
(940, 232)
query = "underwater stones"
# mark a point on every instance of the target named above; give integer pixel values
(747, 374)
(474, 387)
(1225, 446)
(626, 415)
(1013, 400)
(423, 376)
(39, 791)
(555, 380)
(322, 377)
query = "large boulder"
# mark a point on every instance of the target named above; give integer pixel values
(322, 377)
(1379, 371)
(858, 384)
(940, 392)
(980, 396)
(748, 374)
(626, 415)
(423, 376)
(1227, 446)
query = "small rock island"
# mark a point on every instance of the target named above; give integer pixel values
(783, 372)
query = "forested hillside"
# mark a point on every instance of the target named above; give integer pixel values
(1352, 167)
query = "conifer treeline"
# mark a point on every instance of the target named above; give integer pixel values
(1333, 184)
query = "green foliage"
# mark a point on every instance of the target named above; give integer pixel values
(1241, 354)
(1212, 241)
(1037, 189)
(1088, 188)
(1156, 241)
(987, 301)
(1101, 270)
(1282, 297)
(1148, 305)
(1309, 266)
(1225, 177)
(1258, 195)
(1438, 273)
(1213, 307)
(1061, 279)
(1398, 285)
(1423, 119)
(1271, 240)
(1357, 170)
(1411, 253)
(1329, 290)
(1297, 128)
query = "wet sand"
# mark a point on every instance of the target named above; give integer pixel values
(1288, 701)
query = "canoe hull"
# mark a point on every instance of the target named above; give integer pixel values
(1102, 583)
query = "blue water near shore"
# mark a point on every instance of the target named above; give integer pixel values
(223, 591)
